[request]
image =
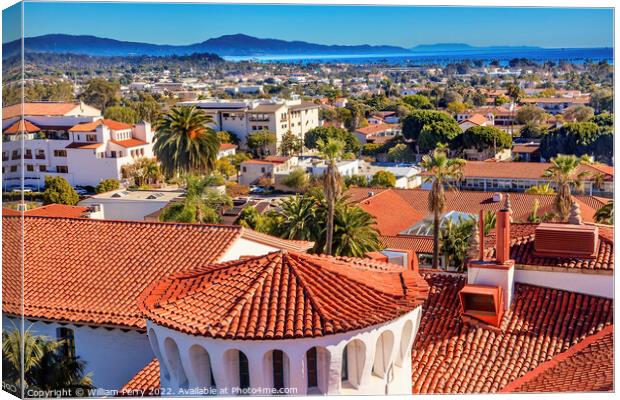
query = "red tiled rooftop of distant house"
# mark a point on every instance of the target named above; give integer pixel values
(57, 210)
(451, 355)
(575, 100)
(38, 108)
(374, 129)
(473, 201)
(277, 159)
(304, 294)
(392, 213)
(92, 126)
(585, 367)
(21, 126)
(418, 243)
(476, 119)
(127, 143)
(227, 146)
(96, 277)
(525, 148)
(10, 212)
(146, 381)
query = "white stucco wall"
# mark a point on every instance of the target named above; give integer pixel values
(244, 247)
(502, 277)
(392, 374)
(113, 356)
(592, 284)
(131, 210)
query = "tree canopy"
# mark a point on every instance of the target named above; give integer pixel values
(324, 133)
(59, 191)
(437, 132)
(486, 137)
(578, 138)
(415, 122)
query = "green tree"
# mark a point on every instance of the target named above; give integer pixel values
(418, 101)
(456, 107)
(578, 113)
(227, 137)
(143, 172)
(59, 191)
(200, 204)
(122, 114)
(544, 188)
(605, 214)
(331, 152)
(564, 174)
(354, 234)
(579, 138)
(224, 167)
(441, 171)
(531, 115)
(184, 142)
(401, 153)
(323, 133)
(291, 144)
(107, 185)
(455, 241)
(45, 365)
(438, 132)
(486, 137)
(261, 142)
(356, 181)
(101, 93)
(383, 179)
(415, 122)
(296, 179)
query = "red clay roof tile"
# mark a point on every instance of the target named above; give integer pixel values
(145, 381)
(392, 213)
(304, 295)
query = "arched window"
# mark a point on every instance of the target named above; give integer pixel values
(174, 360)
(278, 369)
(405, 342)
(353, 359)
(383, 354)
(317, 370)
(237, 368)
(201, 366)
(313, 373)
(244, 371)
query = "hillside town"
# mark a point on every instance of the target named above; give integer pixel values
(194, 226)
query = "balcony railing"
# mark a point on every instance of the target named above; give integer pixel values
(40, 156)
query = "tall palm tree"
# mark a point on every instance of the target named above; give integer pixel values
(299, 218)
(45, 366)
(331, 152)
(605, 214)
(200, 204)
(544, 188)
(184, 142)
(354, 232)
(564, 174)
(441, 171)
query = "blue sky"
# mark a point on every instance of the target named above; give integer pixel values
(401, 26)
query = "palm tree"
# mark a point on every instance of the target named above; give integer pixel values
(605, 214)
(143, 171)
(299, 219)
(441, 171)
(331, 151)
(563, 173)
(184, 142)
(200, 205)
(544, 188)
(354, 232)
(45, 365)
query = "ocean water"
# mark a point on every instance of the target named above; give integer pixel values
(573, 55)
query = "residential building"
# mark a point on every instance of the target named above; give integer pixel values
(555, 105)
(496, 116)
(131, 205)
(244, 117)
(528, 152)
(226, 149)
(407, 176)
(474, 120)
(87, 290)
(84, 153)
(252, 170)
(378, 133)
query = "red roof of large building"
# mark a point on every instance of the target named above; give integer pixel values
(588, 366)
(392, 213)
(451, 355)
(57, 210)
(146, 382)
(516, 170)
(283, 295)
(97, 274)
(376, 128)
(21, 126)
(127, 143)
(38, 108)
(92, 126)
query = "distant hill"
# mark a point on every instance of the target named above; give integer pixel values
(227, 45)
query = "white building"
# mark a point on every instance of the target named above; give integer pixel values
(205, 339)
(244, 117)
(83, 149)
(131, 205)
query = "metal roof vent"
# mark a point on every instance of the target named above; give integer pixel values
(566, 240)
(497, 197)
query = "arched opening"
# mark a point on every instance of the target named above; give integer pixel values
(383, 354)
(317, 365)
(201, 366)
(405, 343)
(237, 368)
(353, 359)
(155, 346)
(174, 360)
(277, 368)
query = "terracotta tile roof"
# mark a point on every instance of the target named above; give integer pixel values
(21, 126)
(83, 145)
(57, 210)
(86, 126)
(129, 143)
(376, 128)
(282, 295)
(392, 213)
(284, 244)
(522, 251)
(38, 108)
(116, 125)
(277, 159)
(574, 100)
(227, 146)
(473, 201)
(585, 367)
(10, 212)
(525, 148)
(418, 243)
(477, 119)
(96, 277)
(451, 355)
(147, 381)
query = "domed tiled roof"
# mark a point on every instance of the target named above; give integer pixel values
(283, 295)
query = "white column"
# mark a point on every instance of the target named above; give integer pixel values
(298, 373)
(335, 368)
(370, 341)
(257, 369)
(220, 368)
(192, 380)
